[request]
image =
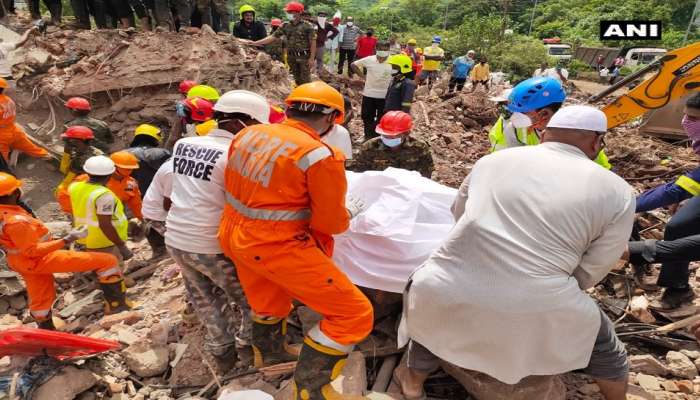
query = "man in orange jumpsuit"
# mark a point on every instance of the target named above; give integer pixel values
(285, 193)
(120, 183)
(12, 136)
(32, 253)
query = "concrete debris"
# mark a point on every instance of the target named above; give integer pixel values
(10, 284)
(589, 389)
(639, 308)
(146, 359)
(670, 386)
(66, 384)
(685, 386)
(8, 321)
(680, 365)
(126, 317)
(88, 305)
(647, 364)
(18, 302)
(648, 382)
(692, 354)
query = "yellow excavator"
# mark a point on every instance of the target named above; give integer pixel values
(674, 77)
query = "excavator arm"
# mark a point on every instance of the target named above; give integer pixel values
(677, 73)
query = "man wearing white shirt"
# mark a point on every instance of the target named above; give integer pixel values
(192, 223)
(559, 73)
(514, 269)
(339, 137)
(155, 205)
(377, 80)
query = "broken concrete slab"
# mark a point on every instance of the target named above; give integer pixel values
(18, 302)
(66, 384)
(84, 306)
(680, 365)
(126, 317)
(146, 359)
(353, 378)
(648, 382)
(647, 364)
(10, 284)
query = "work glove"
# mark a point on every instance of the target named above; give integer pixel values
(125, 252)
(354, 206)
(75, 234)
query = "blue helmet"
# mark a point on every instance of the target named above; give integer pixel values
(535, 93)
(437, 39)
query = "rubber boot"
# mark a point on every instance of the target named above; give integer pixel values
(45, 323)
(115, 296)
(318, 365)
(269, 342)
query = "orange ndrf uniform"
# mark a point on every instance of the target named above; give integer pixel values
(32, 253)
(12, 136)
(285, 194)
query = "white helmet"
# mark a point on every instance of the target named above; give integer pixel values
(244, 102)
(99, 166)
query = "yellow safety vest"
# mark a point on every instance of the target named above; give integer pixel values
(82, 197)
(501, 132)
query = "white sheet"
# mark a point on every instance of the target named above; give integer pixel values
(408, 217)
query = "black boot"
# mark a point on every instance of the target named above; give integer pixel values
(674, 298)
(45, 323)
(269, 342)
(318, 365)
(115, 296)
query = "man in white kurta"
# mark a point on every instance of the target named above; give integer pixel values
(536, 226)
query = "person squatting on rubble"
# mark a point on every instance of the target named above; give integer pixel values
(324, 31)
(461, 66)
(80, 110)
(376, 73)
(248, 28)
(674, 276)
(301, 43)
(394, 148)
(399, 96)
(285, 193)
(197, 200)
(36, 256)
(192, 113)
(535, 288)
(524, 113)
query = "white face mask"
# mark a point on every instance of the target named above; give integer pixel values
(322, 21)
(435, 44)
(391, 142)
(349, 23)
(520, 120)
(290, 17)
(383, 54)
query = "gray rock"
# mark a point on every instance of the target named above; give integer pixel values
(66, 385)
(680, 365)
(18, 302)
(146, 359)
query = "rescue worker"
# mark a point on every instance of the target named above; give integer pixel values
(674, 276)
(150, 157)
(285, 194)
(190, 112)
(77, 148)
(34, 254)
(433, 57)
(301, 43)
(480, 74)
(394, 148)
(525, 113)
(415, 56)
(12, 136)
(155, 207)
(276, 49)
(176, 123)
(222, 10)
(80, 109)
(248, 27)
(197, 200)
(399, 96)
(98, 208)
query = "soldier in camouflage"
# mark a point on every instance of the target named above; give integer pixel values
(80, 109)
(213, 285)
(301, 43)
(394, 148)
(276, 49)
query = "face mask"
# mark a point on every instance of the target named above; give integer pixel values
(435, 44)
(349, 23)
(394, 72)
(322, 21)
(290, 17)
(391, 142)
(520, 120)
(381, 53)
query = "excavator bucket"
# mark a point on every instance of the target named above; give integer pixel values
(665, 121)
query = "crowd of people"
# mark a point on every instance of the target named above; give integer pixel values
(245, 196)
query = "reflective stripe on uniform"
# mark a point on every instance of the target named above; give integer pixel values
(267, 215)
(689, 185)
(110, 272)
(313, 157)
(40, 313)
(319, 337)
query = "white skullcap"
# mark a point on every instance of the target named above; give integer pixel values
(579, 117)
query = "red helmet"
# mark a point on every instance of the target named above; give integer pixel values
(199, 109)
(294, 7)
(394, 123)
(78, 103)
(275, 22)
(78, 132)
(277, 115)
(185, 86)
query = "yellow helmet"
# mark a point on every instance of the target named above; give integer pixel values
(412, 41)
(402, 61)
(204, 128)
(148, 130)
(205, 92)
(246, 8)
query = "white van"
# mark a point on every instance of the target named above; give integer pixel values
(560, 51)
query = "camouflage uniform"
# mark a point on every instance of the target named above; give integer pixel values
(414, 155)
(78, 158)
(299, 36)
(103, 135)
(276, 49)
(221, 7)
(212, 282)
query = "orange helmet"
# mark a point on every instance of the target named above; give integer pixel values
(3, 83)
(275, 22)
(318, 97)
(186, 85)
(394, 123)
(124, 159)
(294, 7)
(78, 103)
(78, 132)
(8, 184)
